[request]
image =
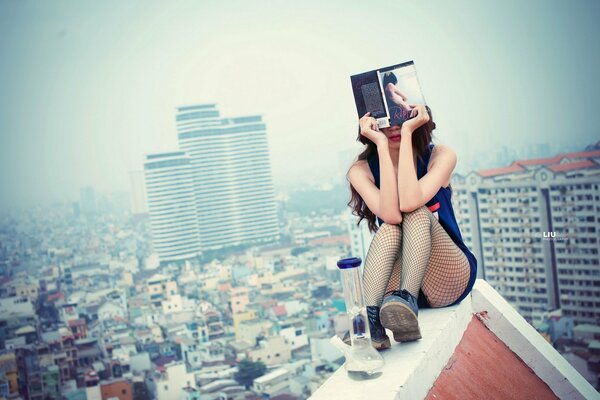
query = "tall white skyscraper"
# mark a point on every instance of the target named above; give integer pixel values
(172, 205)
(233, 181)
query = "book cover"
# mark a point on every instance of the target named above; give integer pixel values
(387, 93)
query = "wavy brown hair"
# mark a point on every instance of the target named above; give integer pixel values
(420, 142)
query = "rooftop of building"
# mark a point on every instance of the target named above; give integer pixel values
(480, 348)
(589, 328)
(331, 240)
(560, 163)
(279, 311)
(572, 166)
(279, 372)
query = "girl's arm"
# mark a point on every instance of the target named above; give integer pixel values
(383, 202)
(412, 192)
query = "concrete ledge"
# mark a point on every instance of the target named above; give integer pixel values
(410, 368)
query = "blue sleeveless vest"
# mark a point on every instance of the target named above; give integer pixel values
(440, 203)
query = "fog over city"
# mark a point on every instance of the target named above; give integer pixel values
(88, 88)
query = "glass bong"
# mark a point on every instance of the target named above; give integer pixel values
(362, 360)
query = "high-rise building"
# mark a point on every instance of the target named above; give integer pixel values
(534, 228)
(233, 181)
(172, 205)
(137, 193)
(87, 200)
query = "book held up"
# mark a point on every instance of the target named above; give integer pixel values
(388, 93)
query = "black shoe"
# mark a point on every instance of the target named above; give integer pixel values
(379, 338)
(399, 313)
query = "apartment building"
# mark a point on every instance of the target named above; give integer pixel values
(534, 229)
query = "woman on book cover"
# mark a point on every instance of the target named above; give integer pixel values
(401, 182)
(397, 102)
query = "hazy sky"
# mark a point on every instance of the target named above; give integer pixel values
(87, 88)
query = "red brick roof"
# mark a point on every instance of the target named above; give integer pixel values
(483, 367)
(77, 322)
(224, 287)
(540, 161)
(572, 165)
(345, 239)
(517, 166)
(501, 171)
(279, 311)
(583, 154)
(56, 296)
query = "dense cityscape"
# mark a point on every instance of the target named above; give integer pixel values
(204, 283)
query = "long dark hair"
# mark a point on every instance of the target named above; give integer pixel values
(420, 142)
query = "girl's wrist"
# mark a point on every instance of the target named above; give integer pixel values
(382, 143)
(382, 147)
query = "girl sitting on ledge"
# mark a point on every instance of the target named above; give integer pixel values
(417, 257)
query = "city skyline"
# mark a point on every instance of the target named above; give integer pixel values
(91, 88)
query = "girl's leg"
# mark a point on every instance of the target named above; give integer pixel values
(416, 248)
(430, 262)
(448, 272)
(394, 282)
(383, 252)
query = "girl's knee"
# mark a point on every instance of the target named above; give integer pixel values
(387, 229)
(419, 214)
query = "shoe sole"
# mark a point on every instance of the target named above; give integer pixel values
(385, 344)
(401, 320)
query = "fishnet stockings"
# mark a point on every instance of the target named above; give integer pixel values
(383, 252)
(433, 263)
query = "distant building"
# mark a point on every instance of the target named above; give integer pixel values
(87, 199)
(294, 332)
(172, 205)
(240, 317)
(174, 382)
(360, 236)
(161, 287)
(534, 229)
(273, 350)
(120, 389)
(274, 383)
(8, 375)
(191, 353)
(137, 193)
(233, 181)
(250, 330)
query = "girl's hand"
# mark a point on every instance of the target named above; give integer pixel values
(421, 117)
(370, 130)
